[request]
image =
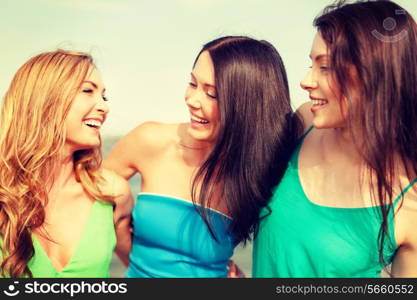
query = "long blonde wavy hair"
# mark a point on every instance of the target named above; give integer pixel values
(32, 135)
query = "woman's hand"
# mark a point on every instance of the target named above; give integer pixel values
(234, 271)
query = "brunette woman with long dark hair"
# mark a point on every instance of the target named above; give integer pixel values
(205, 182)
(347, 205)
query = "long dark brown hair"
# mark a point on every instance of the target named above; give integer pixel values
(373, 52)
(256, 133)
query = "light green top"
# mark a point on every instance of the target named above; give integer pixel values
(93, 255)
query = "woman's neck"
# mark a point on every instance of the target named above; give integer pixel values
(194, 152)
(62, 174)
(348, 143)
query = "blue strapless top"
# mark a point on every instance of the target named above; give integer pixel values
(170, 239)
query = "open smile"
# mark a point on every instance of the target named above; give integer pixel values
(93, 123)
(199, 120)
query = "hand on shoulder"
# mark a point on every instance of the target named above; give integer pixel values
(115, 185)
(118, 187)
(305, 114)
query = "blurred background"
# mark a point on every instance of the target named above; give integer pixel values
(145, 50)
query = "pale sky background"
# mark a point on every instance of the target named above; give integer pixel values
(145, 48)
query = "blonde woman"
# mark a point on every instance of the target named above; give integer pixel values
(60, 212)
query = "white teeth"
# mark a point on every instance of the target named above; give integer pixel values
(319, 102)
(194, 118)
(93, 123)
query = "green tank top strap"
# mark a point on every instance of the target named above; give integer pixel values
(294, 157)
(305, 133)
(396, 200)
(404, 191)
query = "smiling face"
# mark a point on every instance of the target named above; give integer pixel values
(87, 113)
(201, 99)
(329, 106)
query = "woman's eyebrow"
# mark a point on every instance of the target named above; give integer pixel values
(91, 82)
(94, 85)
(205, 84)
(319, 57)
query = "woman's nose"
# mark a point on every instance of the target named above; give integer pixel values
(309, 81)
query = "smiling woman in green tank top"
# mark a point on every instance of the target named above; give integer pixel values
(54, 197)
(347, 204)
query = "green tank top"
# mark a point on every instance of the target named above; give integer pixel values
(303, 239)
(93, 254)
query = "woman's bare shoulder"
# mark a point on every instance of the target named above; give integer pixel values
(151, 137)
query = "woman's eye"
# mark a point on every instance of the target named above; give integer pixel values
(192, 84)
(324, 68)
(212, 96)
(88, 91)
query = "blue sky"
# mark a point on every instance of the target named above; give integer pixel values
(145, 48)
